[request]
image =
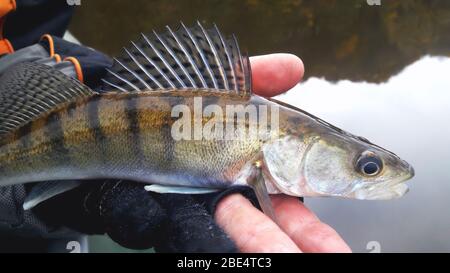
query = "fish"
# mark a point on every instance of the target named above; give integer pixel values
(178, 114)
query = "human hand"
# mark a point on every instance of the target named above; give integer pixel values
(300, 229)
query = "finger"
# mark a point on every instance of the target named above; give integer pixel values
(305, 228)
(250, 229)
(275, 73)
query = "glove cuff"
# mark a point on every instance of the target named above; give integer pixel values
(212, 199)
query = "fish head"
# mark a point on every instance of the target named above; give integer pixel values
(334, 164)
(340, 164)
(311, 157)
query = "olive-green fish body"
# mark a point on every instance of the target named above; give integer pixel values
(125, 136)
(165, 120)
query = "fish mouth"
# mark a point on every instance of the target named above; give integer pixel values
(392, 190)
(382, 193)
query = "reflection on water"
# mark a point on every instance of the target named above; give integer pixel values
(337, 39)
(409, 114)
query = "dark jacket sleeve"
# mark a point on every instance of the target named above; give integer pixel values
(33, 18)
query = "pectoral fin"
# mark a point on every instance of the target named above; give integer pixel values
(259, 186)
(46, 190)
(178, 189)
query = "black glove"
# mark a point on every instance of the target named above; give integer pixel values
(138, 219)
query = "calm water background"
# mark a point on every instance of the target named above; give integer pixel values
(379, 71)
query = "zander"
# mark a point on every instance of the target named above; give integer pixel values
(56, 131)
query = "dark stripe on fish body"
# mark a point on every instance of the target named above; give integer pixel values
(55, 134)
(169, 144)
(211, 100)
(94, 124)
(166, 130)
(71, 108)
(131, 112)
(21, 140)
(24, 135)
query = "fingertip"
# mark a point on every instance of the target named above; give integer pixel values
(250, 229)
(305, 228)
(274, 74)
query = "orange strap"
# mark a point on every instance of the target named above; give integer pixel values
(5, 47)
(77, 66)
(6, 6)
(51, 45)
(57, 58)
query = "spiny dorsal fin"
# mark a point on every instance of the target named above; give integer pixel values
(28, 90)
(187, 58)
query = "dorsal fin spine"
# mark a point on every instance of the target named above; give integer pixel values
(216, 56)
(133, 73)
(202, 56)
(233, 72)
(163, 60)
(143, 69)
(114, 85)
(172, 54)
(241, 61)
(193, 64)
(247, 75)
(123, 79)
(194, 57)
(154, 65)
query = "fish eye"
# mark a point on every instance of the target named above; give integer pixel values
(369, 164)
